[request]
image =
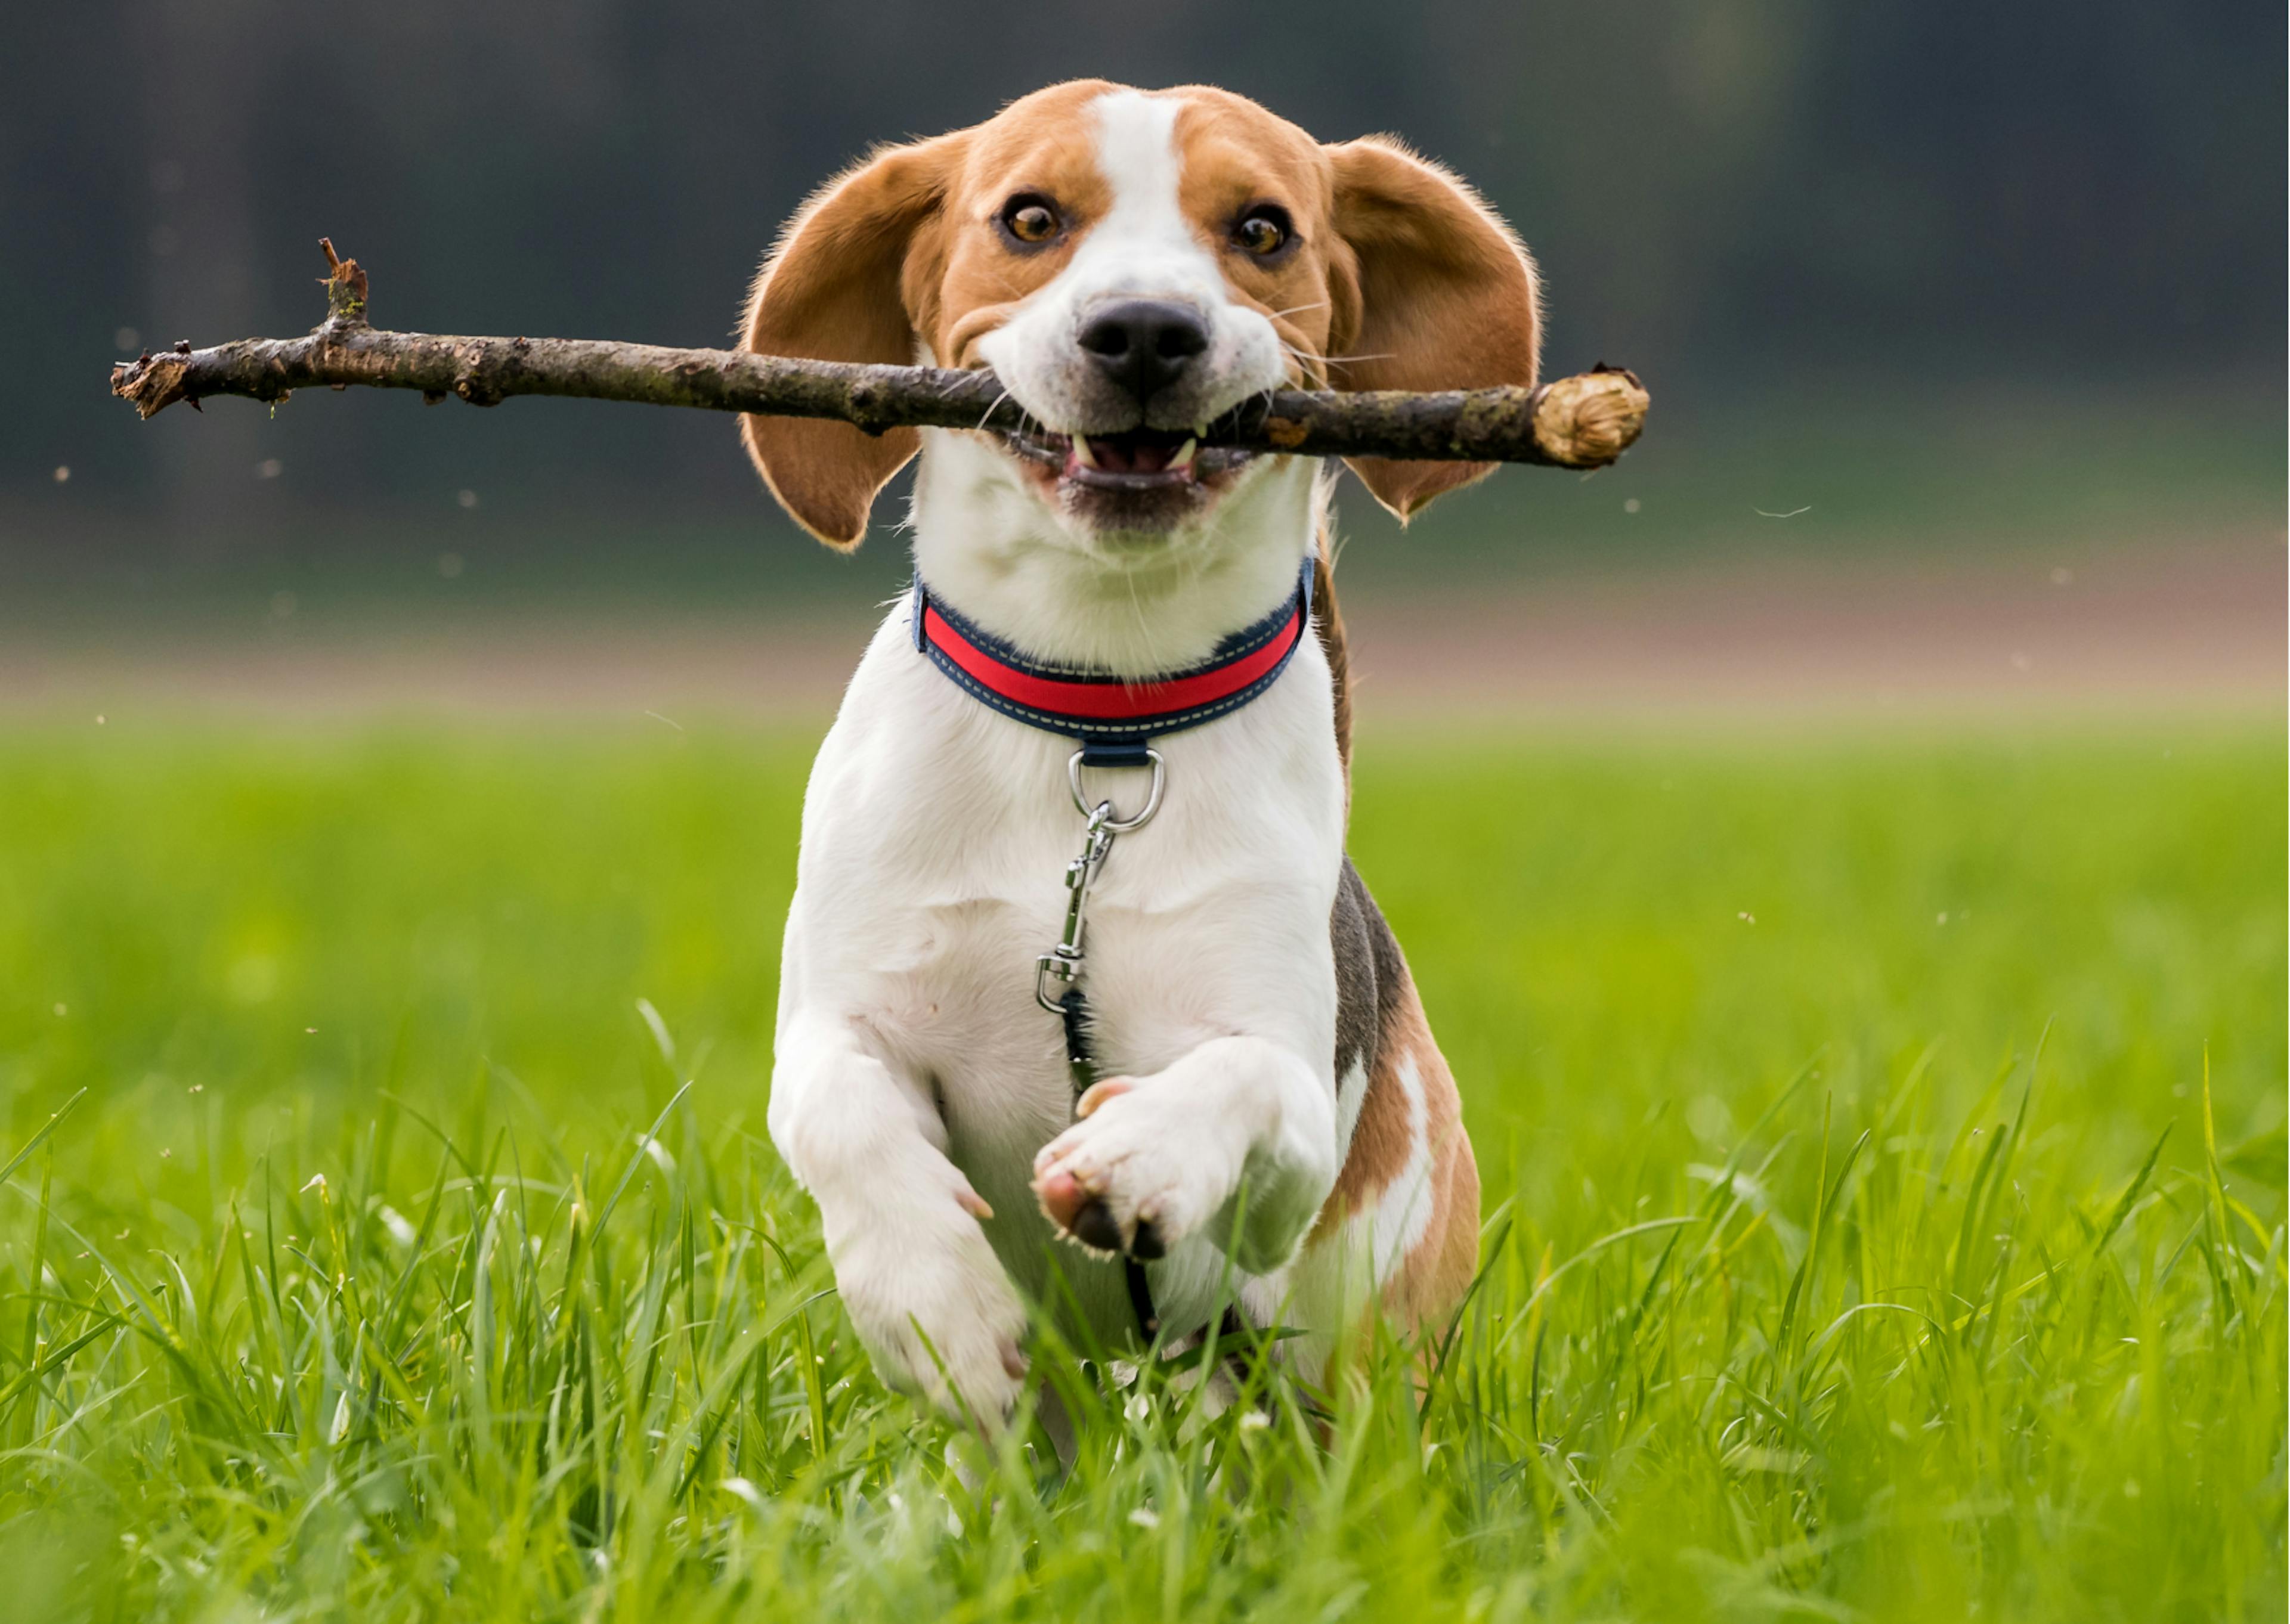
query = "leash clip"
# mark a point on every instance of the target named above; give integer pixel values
(1062, 962)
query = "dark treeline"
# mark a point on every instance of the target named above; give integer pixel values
(1719, 190)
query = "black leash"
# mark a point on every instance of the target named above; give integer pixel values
(1063, 963)
(1073, 1010)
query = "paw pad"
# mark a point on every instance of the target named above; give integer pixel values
(1093, 1225)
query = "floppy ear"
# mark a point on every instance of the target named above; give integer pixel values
(836, 289)
(1431, 290)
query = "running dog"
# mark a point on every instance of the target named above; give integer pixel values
(1075, 951)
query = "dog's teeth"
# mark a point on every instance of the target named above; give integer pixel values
(1082, 452)
(1184, 457)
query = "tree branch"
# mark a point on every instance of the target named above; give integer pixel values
(1583, 421)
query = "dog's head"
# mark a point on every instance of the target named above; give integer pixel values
(1132, 264)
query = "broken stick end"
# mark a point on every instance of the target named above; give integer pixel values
(346, 289)
(151, 384)
(1588, 420)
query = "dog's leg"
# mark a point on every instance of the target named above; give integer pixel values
(1155, 1158)
(916, 1273)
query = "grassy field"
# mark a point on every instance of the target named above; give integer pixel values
(1883, 1140)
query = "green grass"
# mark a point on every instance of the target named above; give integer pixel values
(1883, 1140)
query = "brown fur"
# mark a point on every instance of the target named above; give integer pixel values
(1431, 290)
(1328, 623)
(1436, 1271)
(834, 291)
(1380, 1023)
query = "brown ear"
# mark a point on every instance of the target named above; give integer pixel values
(835, 289)
(1431, 292)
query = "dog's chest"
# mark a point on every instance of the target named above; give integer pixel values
(936, 840)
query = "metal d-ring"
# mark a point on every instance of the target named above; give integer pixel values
(1119, 825)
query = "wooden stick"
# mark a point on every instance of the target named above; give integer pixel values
(1583, 421)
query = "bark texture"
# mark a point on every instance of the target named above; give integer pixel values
(1583, 421)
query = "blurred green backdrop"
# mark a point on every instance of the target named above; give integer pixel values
(1939, 272)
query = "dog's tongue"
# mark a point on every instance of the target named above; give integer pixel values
(1138, 451)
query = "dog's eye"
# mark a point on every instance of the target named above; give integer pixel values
(1263, 231)
(1029, 220)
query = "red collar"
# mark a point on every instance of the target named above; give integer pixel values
(1113, 717)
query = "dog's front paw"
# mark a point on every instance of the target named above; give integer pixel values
(1137, 1173)
(935, 1311)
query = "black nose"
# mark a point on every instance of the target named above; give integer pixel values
(1143, 344)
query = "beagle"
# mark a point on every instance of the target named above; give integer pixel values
(1250, 1106)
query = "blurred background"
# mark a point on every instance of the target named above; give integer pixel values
(1965, 326)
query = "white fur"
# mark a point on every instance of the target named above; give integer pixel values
(914, 1070)
(1344, 1274)
(1402, 1213)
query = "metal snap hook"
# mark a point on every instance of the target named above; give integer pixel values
(1119, 825)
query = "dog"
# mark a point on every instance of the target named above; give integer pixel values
(1236, 1099)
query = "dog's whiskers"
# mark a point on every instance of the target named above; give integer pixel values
(1339, 362)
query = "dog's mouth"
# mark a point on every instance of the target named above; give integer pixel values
(1138, 462)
